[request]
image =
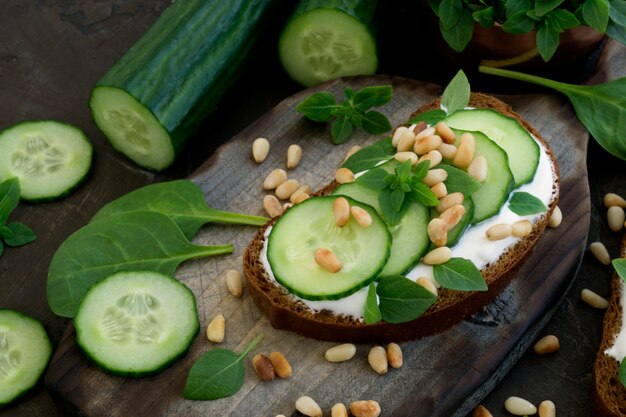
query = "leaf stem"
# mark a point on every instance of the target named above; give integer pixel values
(213, 250)
(251, 346)
(559, 86)
(213, 215)
(519, 59)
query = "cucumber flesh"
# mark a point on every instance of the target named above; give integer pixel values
(521, 148)
(25, 351)
(326, 43)
(307, 226)
(49, 158)
(136, 323)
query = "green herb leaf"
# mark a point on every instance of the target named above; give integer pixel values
(518, 23)
(616, 32)
(563, 19)
(617, 12)
(449, 13)
(373, 179)
(424, 195)
(457, 94)
(388, 212)
(181, 200)
(543, 7)
(459, 181)
(9, 197)
(140, 240)
(401, 299)
(367, 158)
(21, 235)
(375, 122)
(217, 374)
(484, 17)
(596, 14)
(518, 6)
(523, 203)
(460, 34)
(547, 41)
(318, 106)
(1, 248)
(430, 117)
(620, 267)
(386, 145)
(622, 372)
(368, 97)
(6, 232)
(396, 199)
(403, 171)
(459, 274)
(371, 313)
(421, 169)
(341, 131)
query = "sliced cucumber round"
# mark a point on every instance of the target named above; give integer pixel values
(25, 351)
(326, 43)
(310, 225)
(49, 158)
(136, 323)
(521, 148)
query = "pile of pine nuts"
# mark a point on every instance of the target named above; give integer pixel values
(361, 408)
(379, 358)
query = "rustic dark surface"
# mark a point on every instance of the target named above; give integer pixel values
(52, 52)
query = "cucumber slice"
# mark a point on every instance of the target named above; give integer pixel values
(25, 351)
(409, 237)
(521, 148)
(136, 323)
(49, 158)
(307, 226)
(328, 39)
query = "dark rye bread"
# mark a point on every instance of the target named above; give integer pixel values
(286, 312)
(609, 395)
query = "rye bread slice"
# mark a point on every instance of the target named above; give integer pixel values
(609, 395)
(288, 313)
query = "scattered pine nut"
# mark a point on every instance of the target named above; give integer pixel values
(435, 176)
(300, 194)
(612, 199)
(294, 154)
(433, 156)
(341, 211)
(547, 409)
(615, 216)
(477, 169)
(394, 355)
(437, 232)
(340, 353)
(344, 175)
(424, 133)
(427, 144)
(445, 132)
(351, 152)
(519, 406)
(377, 358)
(368, 408)
(600, 252)
(215, 329)
(284, 190)
(263, 367)
(281, 365)
(450, 200)
(438, 256)
(547, 344)
(522, 228)
(362, 217)
(556, 218)
(339, 410)
(260, 149)
(499, 231)
(274, 179)
(406, 142)
(463, 156)
(593, 299)
(307, 406)
(272, 206)
(326, 259)
(447, 151)
(481, 411)
(453, 215)
(397, 134)
(234, 282)
(405, 156)
(439, 190)
(428, 284)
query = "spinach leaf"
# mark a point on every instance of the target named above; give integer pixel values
(620, 267)
(140, 240)
(457, 94)
(459, 274)
(181, 200)
(523, 203)
(217, 374)
(367, 158)
(401, 299)
(371, 313)
(600, 108)
(430, 117)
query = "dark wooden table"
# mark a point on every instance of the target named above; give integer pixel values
(51, 54)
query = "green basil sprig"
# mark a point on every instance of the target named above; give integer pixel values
(353, 111)
(371, 314)
(370, 156)
(523, 203)
(620, 267)
(13, 234)
(459, 274)
(401, 299)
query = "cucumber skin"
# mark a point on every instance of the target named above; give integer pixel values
(362, 10)
(180, 83)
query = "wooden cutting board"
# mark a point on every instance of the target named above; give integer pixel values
(446, 374)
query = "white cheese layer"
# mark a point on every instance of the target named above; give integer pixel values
(618, 350)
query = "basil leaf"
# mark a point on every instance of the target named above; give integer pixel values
(341, 131)
(617, 12)
(616, 32)
(386, 146)
(460, 34)
(371, 314)
(457, 94)
(6, 232)
(523, 203)
(396, 199)
(318, 106)
(217, 374)
(620, 267)
(9, 197)
(430, 117)
(514, 7)
(421, 169)
(389, 214)
(401, 299)
(368, 97)
(21, 235)
(596, 14)
(564, 19)
(375, 122)
(140, 240)
(547, 42)
(459, 181)
(459, 274)
(542, 7)
(403, 171)
(367, 158)
(450, 12)
(424, 195)
(373, 179)
(518, 23)
(349, 94)
(622, 372)
(484, 17)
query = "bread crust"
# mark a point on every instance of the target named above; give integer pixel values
(286, 312)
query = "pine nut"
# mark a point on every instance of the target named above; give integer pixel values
(362, 217)
(394, 355)
(301, 194)
(445, 132)
(351, 152)
(340, 353)
(424, 133)
(287, 205)
(467, 137)
(327, 260)
(450, 200)
(428, 284)
(600, 252)
(612, 199)
(397, 134)
(519, 406)
(307, 406)
(437, 232)
(447, 151)
(421, 125)
(280, 415)
(377, 358)
(274, 179)
(404, 156)
(344, 175)
(499, 231)
(363, 408)
(215, 329)
(593, 299)
(272, 206)
(427, 144)
(616, 216)
(481, 411)
(547, 344)
(234, 282)
(339, 410)
(438, 256)
(263, 367)
(556, 218)
(453, 215)
(294, 154)
(435, 176)
(478, 168)
(341, 211)
(281, 365)
(433, 156)
(284, 190)
(522, 228)
(260, 149)
(463, 156)
(406, 142)
(547, 409)
(439, 190)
